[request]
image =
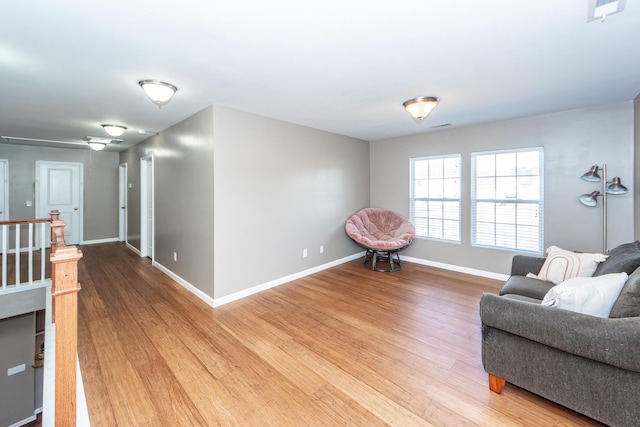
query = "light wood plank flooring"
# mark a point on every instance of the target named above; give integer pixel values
(343, 347)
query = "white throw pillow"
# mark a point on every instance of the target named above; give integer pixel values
(588, 295)
(561, 265)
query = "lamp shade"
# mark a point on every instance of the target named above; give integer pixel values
(592, 175)
(590, 199)
(616, 187)
(114, 130)
(160, 93)
(419, 108)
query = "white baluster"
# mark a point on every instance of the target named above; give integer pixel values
(5, 237)
(43, 245)
(30, 249)
(17, 254)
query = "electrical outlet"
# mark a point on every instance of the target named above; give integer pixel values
(175, 256)
(304, 253)
(321, 249)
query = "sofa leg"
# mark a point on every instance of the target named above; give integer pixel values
(496, 384)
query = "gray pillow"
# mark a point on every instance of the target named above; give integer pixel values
(624, 258)
(628, 303)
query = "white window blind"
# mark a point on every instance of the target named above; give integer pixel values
(435, 197)
(507, 200)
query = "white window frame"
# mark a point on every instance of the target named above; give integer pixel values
(516, 200)
(450, 198)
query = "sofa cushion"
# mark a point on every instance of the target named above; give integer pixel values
(628, 303)
(521, 265)
(594, 296)
(561, 265)
(624, 258)
(526, 286)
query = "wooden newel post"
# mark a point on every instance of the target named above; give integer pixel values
(64, 293)
(57, 230)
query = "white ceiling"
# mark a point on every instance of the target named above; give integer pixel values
(342, 66)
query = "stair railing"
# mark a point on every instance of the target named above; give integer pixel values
(35, 227)
(64, 299)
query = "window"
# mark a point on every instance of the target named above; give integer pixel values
(435, 197)
(507, 199)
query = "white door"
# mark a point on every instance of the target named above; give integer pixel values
(122, 207)
(4, 190)
(59, 187)
(146, 206)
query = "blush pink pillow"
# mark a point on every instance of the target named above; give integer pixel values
(561, 265)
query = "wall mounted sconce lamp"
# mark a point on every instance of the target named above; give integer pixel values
(614, 187)
(419, 108)
(160, 93)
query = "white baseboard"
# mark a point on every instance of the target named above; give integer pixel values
(259, 288)
(197, 292)
(25, 421)
(217, 302)
(134, 249)
(98, 241)
(457, 268)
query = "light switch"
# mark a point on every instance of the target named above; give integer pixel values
(28, 202)
(130, 185)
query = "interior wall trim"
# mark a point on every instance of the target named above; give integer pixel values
(457, 268)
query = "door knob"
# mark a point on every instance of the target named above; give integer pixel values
(75, 209)
(123, 207)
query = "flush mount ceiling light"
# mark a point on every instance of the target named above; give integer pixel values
(600, 9)
(114, 130)
(159, 93)
(97, 143)
(97, 146)
(420, 107)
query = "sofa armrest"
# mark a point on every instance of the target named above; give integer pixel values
(521, 265)
(612, 341)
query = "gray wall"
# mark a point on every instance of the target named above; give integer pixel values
(281, 188)
(572, 140)
(636, 139)
(247, 194)
(183, 175)
(17, 341)
(100, 185)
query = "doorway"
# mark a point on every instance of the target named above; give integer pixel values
(4, 190)
(59, 186)
(122, 202)
(146, 206)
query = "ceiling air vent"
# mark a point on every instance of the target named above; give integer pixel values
(103, 140)
(36, 141)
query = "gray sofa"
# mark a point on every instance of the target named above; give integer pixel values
(586, 363)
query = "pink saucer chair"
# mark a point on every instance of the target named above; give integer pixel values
(383, 233)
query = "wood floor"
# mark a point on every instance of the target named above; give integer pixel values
(343, 347)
